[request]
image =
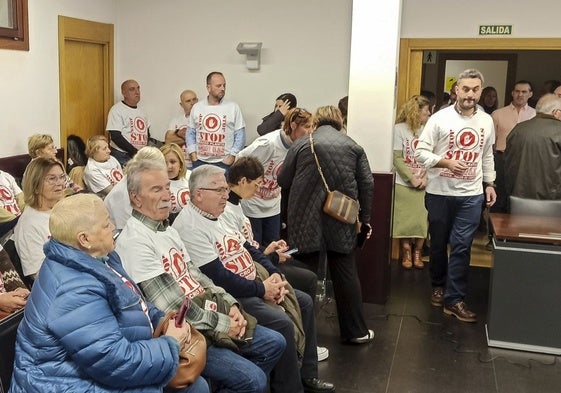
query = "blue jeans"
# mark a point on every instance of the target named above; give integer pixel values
(452, 220)
(199, 386)
(266, 229)
(247, 370)
(121, 156)
(286, 376)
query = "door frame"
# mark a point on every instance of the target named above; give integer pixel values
(81, 30)
(411, 55)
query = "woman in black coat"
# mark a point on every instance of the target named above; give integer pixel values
(346, 169)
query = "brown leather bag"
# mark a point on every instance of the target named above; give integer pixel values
(192, 356)
(337, 205)
(341, 207)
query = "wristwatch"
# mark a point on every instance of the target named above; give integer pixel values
(490, 185)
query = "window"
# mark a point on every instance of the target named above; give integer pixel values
(14, 32)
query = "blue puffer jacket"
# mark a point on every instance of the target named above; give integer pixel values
(84, 331)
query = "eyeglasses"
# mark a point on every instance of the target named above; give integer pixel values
(220, 190)
(54, 179)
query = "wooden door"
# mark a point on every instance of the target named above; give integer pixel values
(86, 77)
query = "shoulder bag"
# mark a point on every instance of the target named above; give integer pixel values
(192, 355)
(337, 205)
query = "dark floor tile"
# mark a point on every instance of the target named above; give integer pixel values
(418, 349)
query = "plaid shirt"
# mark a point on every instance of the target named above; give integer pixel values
(164, 292)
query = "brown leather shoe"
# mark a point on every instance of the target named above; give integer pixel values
(437, 297)
(417, 259)
(406, 261)
(460, 311)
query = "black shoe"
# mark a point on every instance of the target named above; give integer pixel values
(364, 339)
(315, 385)
(437, 297)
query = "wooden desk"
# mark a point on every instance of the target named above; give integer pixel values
(533, 229)
(525, 288)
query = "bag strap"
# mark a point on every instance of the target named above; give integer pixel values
(317, 163)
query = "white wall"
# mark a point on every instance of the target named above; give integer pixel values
(29, 102)
(461, 19)
(174, 45)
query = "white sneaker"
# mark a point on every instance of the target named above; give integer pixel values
(323, 353)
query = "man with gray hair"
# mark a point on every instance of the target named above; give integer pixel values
(224, 255)
(241, 353)
(456, 147)
(533, 153)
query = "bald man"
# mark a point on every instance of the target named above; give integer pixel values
(178, 125)
(127, 125)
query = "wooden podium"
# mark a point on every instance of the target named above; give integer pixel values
(524, 308)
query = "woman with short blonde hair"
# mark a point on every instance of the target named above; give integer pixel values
(103, 170)
(41, 145)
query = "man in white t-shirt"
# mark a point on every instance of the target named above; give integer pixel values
(216, 129)
(456, 147)
(156, 259)
(127, 124)
(177, 128)
(228, 259)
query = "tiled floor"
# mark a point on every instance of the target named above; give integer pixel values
(418, 349)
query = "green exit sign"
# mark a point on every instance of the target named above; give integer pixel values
(495, 29)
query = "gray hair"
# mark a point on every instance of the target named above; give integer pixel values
(200, 175)
(548, 103)
(146, 153)
(135, 168)
(471, 74)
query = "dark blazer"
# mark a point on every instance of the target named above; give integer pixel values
(346, 169)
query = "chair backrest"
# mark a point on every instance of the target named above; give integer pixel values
(8, 331)
(534, 207)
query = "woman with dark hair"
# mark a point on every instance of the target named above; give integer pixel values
(489, 101)
(346, 169)
(273, 120)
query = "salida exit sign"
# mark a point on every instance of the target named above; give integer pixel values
(495, 29)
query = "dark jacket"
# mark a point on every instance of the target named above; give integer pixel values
(346, 169)
(84, 330)
(533, 159)
(271, 122)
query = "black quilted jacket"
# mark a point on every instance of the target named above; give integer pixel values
(346, 169)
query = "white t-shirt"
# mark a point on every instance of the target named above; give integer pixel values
(118, 204)
(8, 192)
(208, 239)
(131, 122)
(215, 126)
(270, 149)
(180, 194)
(179, 123)
(30, 234)
(236, 220)
(405, 141)
(100, 175)
(470, 139)
(147, 254)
